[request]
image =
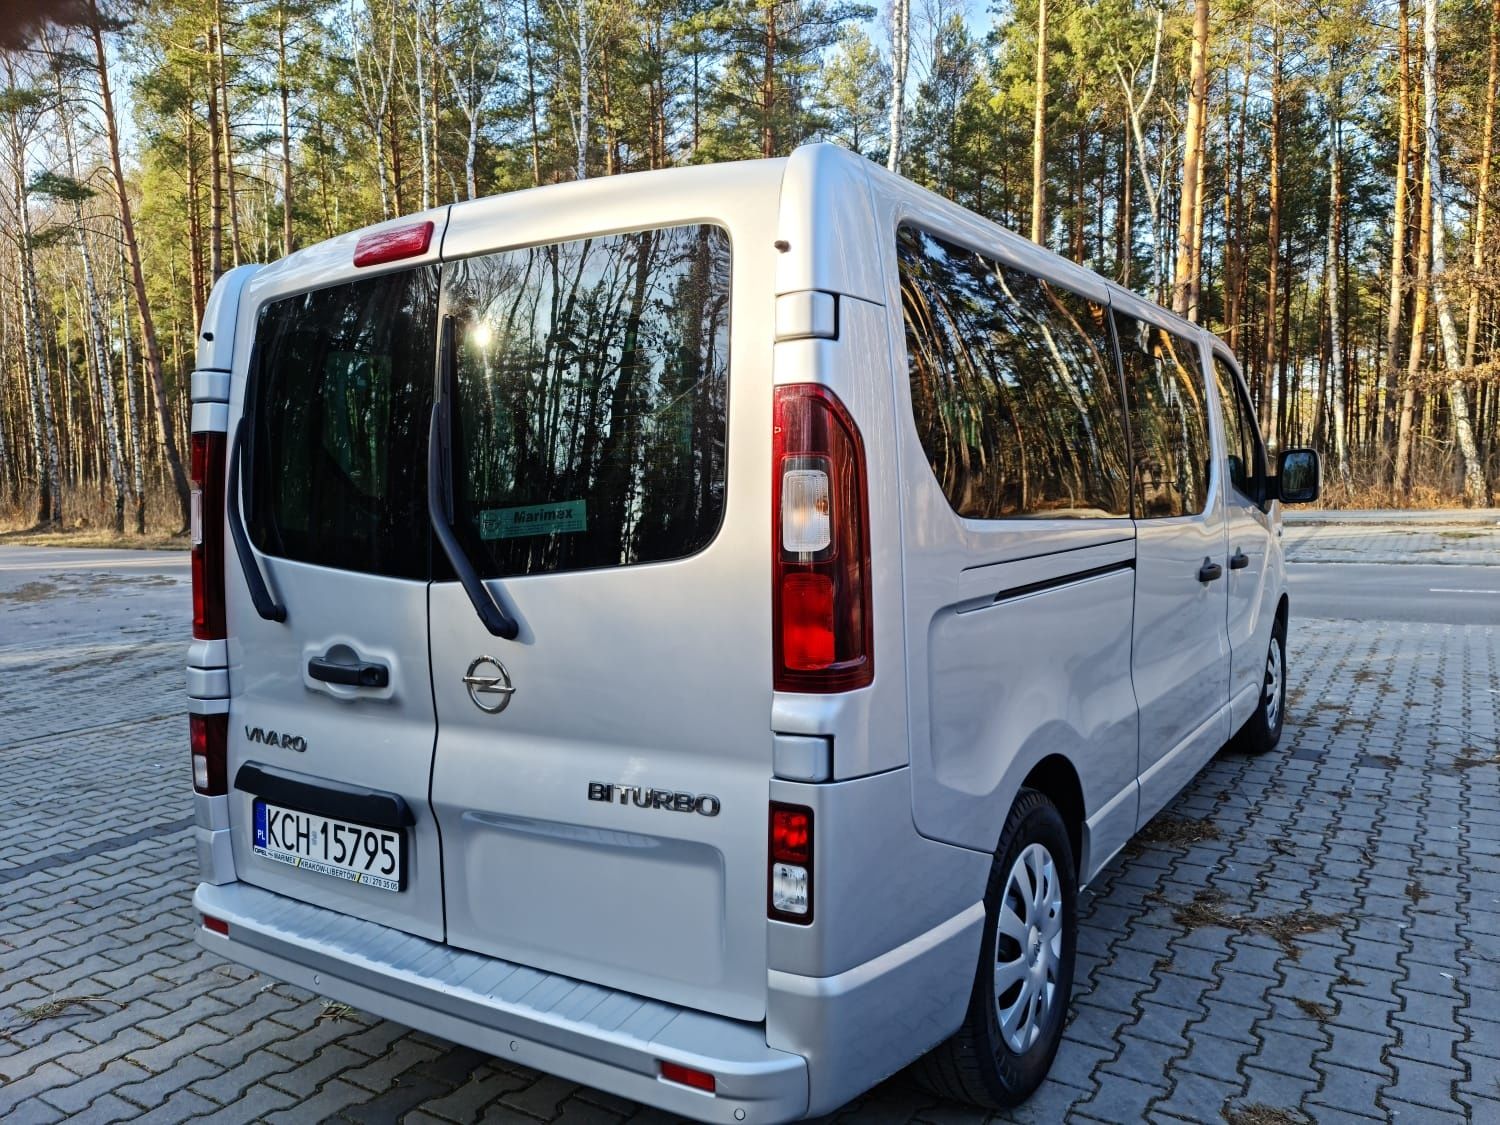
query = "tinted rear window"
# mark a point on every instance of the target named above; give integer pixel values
(590, 400)
(1014, 390)
(341, 388)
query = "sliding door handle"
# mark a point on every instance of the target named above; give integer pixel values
(1239, 560)
(1209, 571)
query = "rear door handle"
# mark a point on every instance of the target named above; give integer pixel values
(1239, 560)
(1209, 571)
(363, 674)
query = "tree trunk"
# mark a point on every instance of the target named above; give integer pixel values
(1404, 443)
(133, 404)
(1039, 132)
(44, 420)
(95, 317)
(1331, 293)
(1458, 399)
(1482, 195)
(536, 149)
(1190, 216)
(768, 86)
(215, 184)
(900, 58)
(287, 244)
(1273, 232)
(236, 245)
(1397, 299)
(138, 278)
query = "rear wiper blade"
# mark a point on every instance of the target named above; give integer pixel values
(260, 594)
(495, 619)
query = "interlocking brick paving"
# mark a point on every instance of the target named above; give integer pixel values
(1312, 935)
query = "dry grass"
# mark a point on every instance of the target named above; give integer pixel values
(1207, 909)
(1177, 830)
(1319, 1012)
(1258, 1113)
(1415, 892)
(93, 538)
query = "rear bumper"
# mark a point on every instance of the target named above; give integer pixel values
(612, 1040)
(589, 1034)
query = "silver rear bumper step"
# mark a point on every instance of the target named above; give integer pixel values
(584, 1032)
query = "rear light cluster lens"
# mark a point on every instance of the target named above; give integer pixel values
(217, 925)
(821, 557)
(791, 876)
(209, 735)
(208, 536)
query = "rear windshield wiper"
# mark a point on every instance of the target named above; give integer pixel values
(265, 602)
(495, 619)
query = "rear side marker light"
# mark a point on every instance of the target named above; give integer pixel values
(687, 1076)
(393, 243)
(217, 925)
(209, 737)
(789, 896)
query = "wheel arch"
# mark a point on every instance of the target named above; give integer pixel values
(1056, 778)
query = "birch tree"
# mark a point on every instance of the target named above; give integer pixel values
(1458, 399)
(137, 274)
(900, 26)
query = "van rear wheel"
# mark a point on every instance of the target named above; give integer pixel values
(1025, 976)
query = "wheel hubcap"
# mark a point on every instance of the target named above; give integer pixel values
(1028, 947)
(1273, 684)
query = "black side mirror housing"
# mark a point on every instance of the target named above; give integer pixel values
(1299, 476)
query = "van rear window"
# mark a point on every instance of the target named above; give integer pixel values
(590, 400)
(341, 389)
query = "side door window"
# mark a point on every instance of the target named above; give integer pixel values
(1245, 458)
(1014, 394)
(1168, 418)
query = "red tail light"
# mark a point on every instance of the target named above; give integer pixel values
(209, 735)
(790, 883)
(217, 925)
(821, 551)
(208, 536)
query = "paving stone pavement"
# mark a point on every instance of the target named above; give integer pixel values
(1458, 544)
(1313, 935)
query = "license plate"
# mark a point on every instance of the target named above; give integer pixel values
(354, 852)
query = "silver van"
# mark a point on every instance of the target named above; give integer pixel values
(694, 632)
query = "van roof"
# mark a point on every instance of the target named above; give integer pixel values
(816, 202)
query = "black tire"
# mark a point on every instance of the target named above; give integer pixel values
(978, 1065)
(1262, 731)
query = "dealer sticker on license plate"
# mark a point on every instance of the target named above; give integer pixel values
(369, 856)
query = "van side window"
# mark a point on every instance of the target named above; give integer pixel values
(1013, 386)
(590, 408)
(1168, 418)
(340, 390)
(1246, 464)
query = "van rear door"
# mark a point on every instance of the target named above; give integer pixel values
(331, 728)
(602, 779)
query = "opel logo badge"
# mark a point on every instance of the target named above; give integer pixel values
(489, 685)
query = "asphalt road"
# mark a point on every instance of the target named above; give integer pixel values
(1447, 595)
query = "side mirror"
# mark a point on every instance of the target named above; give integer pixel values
(1299, 476)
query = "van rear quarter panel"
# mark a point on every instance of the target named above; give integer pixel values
(997, 683)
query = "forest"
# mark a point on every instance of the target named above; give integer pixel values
(1311, 179)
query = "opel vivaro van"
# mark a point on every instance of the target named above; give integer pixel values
(694, 632)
